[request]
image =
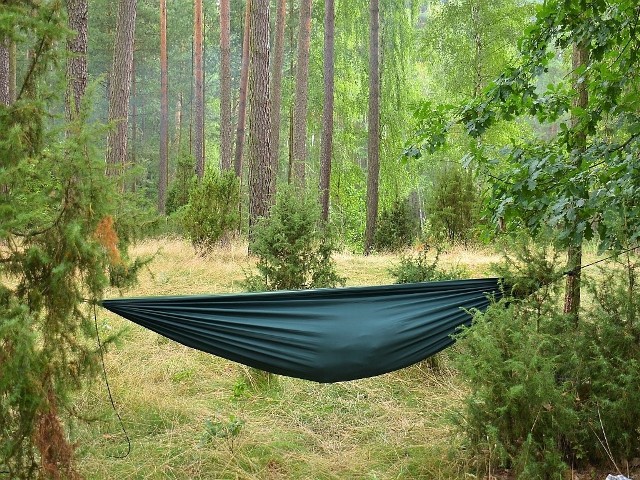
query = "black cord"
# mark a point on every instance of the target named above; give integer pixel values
(575, 270)
(106, 381)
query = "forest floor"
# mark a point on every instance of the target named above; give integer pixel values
(191, 415)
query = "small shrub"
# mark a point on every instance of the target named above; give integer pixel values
(547, 393)
(178, 194)
(517, 411)
(397, 227)
(421, 268)
(294, 250)
(610, 360)
(452, 204)
(213, 209)
(228, 430)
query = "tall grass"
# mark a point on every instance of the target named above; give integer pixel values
(169, 396)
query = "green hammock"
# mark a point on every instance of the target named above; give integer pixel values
(325, 335)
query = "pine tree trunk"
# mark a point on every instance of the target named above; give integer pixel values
(374, 127)
(327, 109)
(242, 100)
(179, 115)
(276, 81)
(78, 16)
(7, 72)
(291, 72)
(225, 84)
(198, 101)
(261, 178)
(164, 111)
(580, 58)
(4, 72)
(301, 96)
(120, 86)
(12, 72)
(134, 118)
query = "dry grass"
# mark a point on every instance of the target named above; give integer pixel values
(386, 427)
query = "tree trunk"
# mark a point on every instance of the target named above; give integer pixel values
(4, 72)
(276, 82)
(327, 109)
(225, 84)
(7, 72)
(301, 96)
(12, 72)
(198, 101)
(120, 86)
(291, 72)
(242, 100)
(580, 58)
(164, 111)
(134, 118)
(374, 126)
(477, 41)
(178, 139)
(77, 12)
(261, 178)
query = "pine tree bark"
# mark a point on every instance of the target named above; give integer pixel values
(134, 118)
(580, 58)
(12, 72)
(179, 116)
(374, 126)
(327, 109)
(198, 101)
(164, 111)
(242, 99)
(120, 86)
(225, 84)
(7, 72)
(261, 175)
(4, 72)
(301, 97)
(78, 17)
(276, 81)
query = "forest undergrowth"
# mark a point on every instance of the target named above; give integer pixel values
(192, 415)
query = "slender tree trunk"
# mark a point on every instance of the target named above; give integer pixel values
(164, 111)
(225, 84)
(291, 72)
(327, 109)
(78, 17)
(120, 86)
(198, 101)
(7, 72)
(140, 109)
(261, 178)
(134, 118)
(276, 81)
(374, 126)
(290, 163)
(12, 72)
(178, 139)
(242, 100)
(301, 97)
(4, 72)
(580, 57)
(477, 41)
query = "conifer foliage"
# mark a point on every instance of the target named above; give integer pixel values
(294, 250)
(57, 246)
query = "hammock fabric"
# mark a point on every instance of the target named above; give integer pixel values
(324, 335)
